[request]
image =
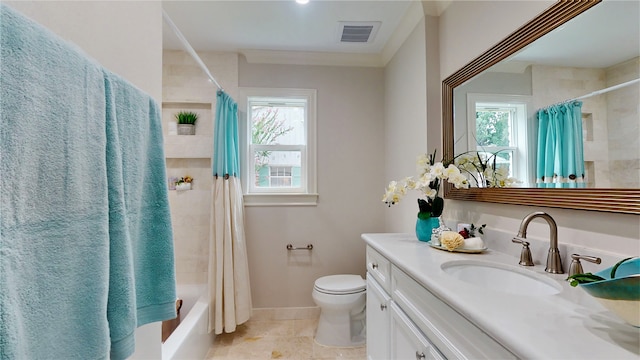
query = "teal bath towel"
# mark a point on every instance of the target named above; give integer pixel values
(142, 207)
(86, 251)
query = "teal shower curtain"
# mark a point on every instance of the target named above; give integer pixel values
(560, 155)
(229, 291)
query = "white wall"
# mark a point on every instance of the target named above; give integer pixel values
(350, 103)
(464, 34)
(467, 28)
(405, 128)
(126, 38)
(434, 86)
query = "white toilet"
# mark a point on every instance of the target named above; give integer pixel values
(342, 300)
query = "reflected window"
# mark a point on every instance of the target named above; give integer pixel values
(498, 124)
(495, 126)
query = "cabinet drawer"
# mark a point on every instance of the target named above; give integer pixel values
(380, 268)
(455, 336)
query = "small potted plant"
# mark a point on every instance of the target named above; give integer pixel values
(184, 183)
(186, 122)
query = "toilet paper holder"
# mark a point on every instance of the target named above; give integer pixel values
(308, 247)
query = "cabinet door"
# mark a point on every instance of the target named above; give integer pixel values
(377, 321)
(407, 342)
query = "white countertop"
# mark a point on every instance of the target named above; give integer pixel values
(567, 325)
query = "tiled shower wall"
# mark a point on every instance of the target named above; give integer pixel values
(623, 115)
(602, 116)
(186, 87)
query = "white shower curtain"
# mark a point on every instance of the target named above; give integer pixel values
(229, 290)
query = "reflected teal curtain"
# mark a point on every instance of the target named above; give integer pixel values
(229, 290)
(560, 155)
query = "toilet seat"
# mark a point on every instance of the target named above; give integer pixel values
(340, 284)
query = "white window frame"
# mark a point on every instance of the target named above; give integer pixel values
(307, 194)
(523, 156)
(278, 176)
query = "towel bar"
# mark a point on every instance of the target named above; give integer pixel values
(308, 247)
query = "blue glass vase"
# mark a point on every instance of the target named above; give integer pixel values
(424, 227)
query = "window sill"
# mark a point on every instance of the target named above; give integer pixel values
(281, 199)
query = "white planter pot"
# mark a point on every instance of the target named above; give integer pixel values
(186, 129)
(183, 186)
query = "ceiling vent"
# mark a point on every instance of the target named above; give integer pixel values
(357, 31)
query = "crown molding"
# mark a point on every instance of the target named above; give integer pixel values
(311, 58)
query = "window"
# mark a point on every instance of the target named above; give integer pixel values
(498, 124)
(279, 146)
(280, 176)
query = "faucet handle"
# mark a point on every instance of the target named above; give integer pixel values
(525, 254)
(576, 266)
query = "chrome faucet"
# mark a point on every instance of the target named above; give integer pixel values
(554, 262)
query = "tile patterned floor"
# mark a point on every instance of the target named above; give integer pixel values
(273, 335)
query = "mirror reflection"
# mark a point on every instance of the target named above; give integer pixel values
(564, 111)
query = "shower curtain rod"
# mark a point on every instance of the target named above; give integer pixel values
(597, 92)
(611, 88)
(189, 49)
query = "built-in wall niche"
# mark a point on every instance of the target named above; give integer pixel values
(197, 168)
(199, 145)
(587, 138)
(587, 127)
(204, 125)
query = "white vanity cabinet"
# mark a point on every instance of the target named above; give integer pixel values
(431, 314)
(406, 321)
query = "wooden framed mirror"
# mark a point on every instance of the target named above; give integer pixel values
(619, 200)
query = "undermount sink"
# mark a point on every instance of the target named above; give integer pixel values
(499, 277)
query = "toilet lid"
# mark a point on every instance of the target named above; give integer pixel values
(340, 284)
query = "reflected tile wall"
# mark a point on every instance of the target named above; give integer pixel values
(624, 125)
(612, 147)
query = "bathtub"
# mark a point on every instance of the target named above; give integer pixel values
(190, 339)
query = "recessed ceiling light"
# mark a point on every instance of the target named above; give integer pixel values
(302, 1)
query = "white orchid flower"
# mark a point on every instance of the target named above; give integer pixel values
(430, 193)
(459, 181)
(425, 179)
(502, 172)
(437, 170)
(450, 171)
(410, 183)
(476, 167)
(422, 164)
